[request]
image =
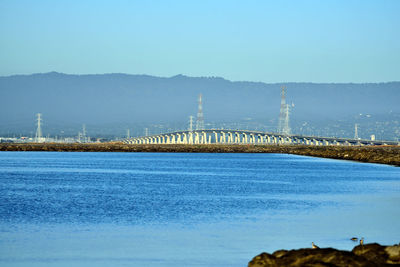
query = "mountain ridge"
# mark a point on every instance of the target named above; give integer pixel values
(186, 76)
(131, 99)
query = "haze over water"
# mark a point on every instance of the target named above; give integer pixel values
(164, 209)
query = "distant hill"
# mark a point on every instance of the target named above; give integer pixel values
(65, 99)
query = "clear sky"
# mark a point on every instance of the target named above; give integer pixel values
(269, 41)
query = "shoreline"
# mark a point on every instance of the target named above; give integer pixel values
(370, 154)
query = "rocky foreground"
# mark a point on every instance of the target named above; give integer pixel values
(361, 256)
(373, 154)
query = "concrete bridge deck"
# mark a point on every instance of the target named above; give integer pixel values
(226, 136)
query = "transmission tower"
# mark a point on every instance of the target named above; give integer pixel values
(84, 139)
(286, 128)
(282, 112)
(356, 131)
(200, 116)
(284, 115)
(190, 123)
(38, 137)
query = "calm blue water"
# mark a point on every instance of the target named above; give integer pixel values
(154, 209)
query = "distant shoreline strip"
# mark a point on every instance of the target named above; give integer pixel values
(372, 154)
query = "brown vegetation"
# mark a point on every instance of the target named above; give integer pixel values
(361, 255)
(373, 154)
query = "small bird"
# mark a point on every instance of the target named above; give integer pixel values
(362, 241)
(355, 239)
(314, 246)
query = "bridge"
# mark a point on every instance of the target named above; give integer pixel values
(224, 136)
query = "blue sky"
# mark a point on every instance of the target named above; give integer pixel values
(269, 41)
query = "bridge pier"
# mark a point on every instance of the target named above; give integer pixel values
(243, 137)
(281, 140)
(290, 140)
(185, 140)
(222, 137)
(260, 139)
(215, 136)
(191, 141)
(230, 138)
(274, 140)
(204, 137)
(237, 138)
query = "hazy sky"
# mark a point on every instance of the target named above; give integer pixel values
(270, 41)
